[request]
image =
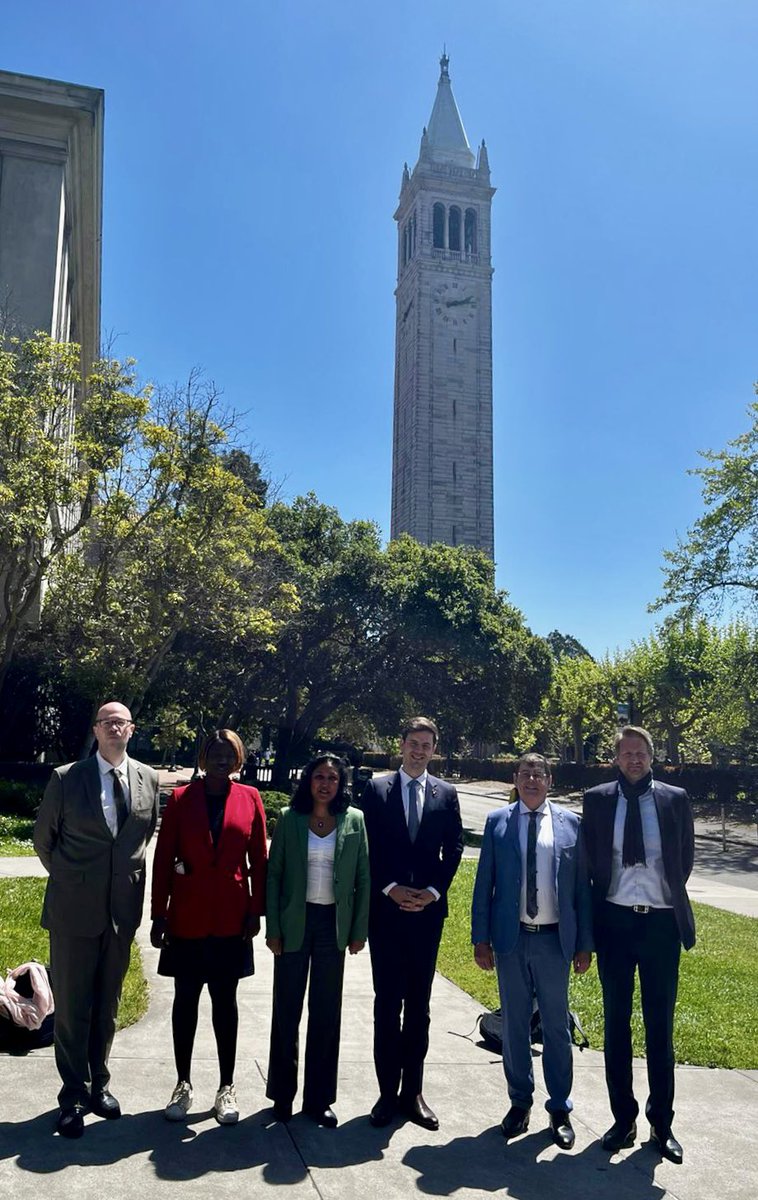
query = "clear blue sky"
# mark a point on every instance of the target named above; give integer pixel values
(253, 161)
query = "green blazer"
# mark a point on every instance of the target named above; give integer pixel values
(287, 879)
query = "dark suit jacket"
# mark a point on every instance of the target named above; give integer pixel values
(94, 878)
(222, 883)
(677, 846)
(496, 904)
(288, 879)
(430, 861)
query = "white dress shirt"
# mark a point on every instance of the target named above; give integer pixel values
(640, 884)
(547, 898)
(106, 788)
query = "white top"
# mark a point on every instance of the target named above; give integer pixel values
(639, 884)
(547, 899)
(106, 788)
(320, 889)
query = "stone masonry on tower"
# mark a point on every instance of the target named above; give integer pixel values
(442, 429)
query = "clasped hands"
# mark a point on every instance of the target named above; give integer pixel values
(411, 899)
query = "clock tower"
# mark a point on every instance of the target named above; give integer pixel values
(442, 429)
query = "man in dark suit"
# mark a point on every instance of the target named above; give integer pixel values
(640, 839)
(415, 844)
(93, 825)
(531, 917)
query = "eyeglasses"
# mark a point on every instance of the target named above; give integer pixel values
(531, 775)
(114, 723)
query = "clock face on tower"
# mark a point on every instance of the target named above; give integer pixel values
(455, 304)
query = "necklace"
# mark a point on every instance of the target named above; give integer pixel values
(320, 824)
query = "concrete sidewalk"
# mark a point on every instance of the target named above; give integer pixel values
(144, 1155)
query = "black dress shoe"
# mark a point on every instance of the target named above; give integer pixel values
(667, 1145)
(105, 1105)
(561, 1128)
(418, 1111)
(282, 1112)
(619, 1137)
(70, 1123)
(515, 1121)
(383, 1111)
(322, 1116)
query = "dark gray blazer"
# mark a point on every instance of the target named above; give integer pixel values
(95, 879)
(677, 846)
(496, 904)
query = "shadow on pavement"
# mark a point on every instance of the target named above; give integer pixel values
(486, 1163)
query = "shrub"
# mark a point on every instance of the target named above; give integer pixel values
(273, 804)
(22, 799)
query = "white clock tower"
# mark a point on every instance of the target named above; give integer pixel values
(442, 432)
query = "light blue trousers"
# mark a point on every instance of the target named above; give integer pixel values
(536, 967)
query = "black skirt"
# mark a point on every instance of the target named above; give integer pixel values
(207, 958)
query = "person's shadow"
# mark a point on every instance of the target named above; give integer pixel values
(486, 1163)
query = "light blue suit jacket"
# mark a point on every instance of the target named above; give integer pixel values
(495, 908)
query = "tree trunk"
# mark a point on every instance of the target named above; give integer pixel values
(576, 731)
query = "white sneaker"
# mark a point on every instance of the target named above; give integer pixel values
(180, 1102)
(225, 1105)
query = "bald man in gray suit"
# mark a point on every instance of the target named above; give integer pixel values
(94, 823)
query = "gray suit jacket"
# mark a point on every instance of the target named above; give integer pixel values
(95, 879)
(497, 892)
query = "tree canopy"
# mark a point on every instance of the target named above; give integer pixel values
(717, 562)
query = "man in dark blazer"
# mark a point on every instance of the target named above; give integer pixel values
(531, 917)
(415, 841)
(640, 840)
(93, 825)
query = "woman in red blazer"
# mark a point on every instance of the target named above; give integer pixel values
(209, 888)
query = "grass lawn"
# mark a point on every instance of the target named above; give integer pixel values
(717, 1008)
(16, 835)
(21, 939)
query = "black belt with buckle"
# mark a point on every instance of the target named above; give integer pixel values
(538, 928)
(641, 908)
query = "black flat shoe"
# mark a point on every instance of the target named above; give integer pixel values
(668, 1146)
(418, 1111)
(70, 1123)
(104, 1104)
(619, 1137)
(383, 1111)
(562, 1129)
(515, 1122)
(322, 1116)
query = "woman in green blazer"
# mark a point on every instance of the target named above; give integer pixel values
(317, 901)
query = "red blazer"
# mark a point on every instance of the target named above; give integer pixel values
(222, 884)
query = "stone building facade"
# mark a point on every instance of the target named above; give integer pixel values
(51, 185)
(442, 482)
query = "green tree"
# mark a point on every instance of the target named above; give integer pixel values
(578, 705)
(58, 435)
(718, 560)
(178, 545)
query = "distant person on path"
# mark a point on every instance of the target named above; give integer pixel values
(415, 843)
(316, 907)
(209, 883)
(640, 839)
(94, 822)
(531, 918)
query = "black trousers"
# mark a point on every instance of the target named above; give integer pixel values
(403, 950)
(648, 943)
(320, 956)
(87, 975)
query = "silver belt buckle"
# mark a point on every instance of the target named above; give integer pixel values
(530, 928)
(641, 908)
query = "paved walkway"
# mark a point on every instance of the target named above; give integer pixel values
(142, 1155)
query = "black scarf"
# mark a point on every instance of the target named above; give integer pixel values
(634, 846)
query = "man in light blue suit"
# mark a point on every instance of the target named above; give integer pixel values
(531, 918)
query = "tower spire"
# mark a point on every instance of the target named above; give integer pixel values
(446, 139)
